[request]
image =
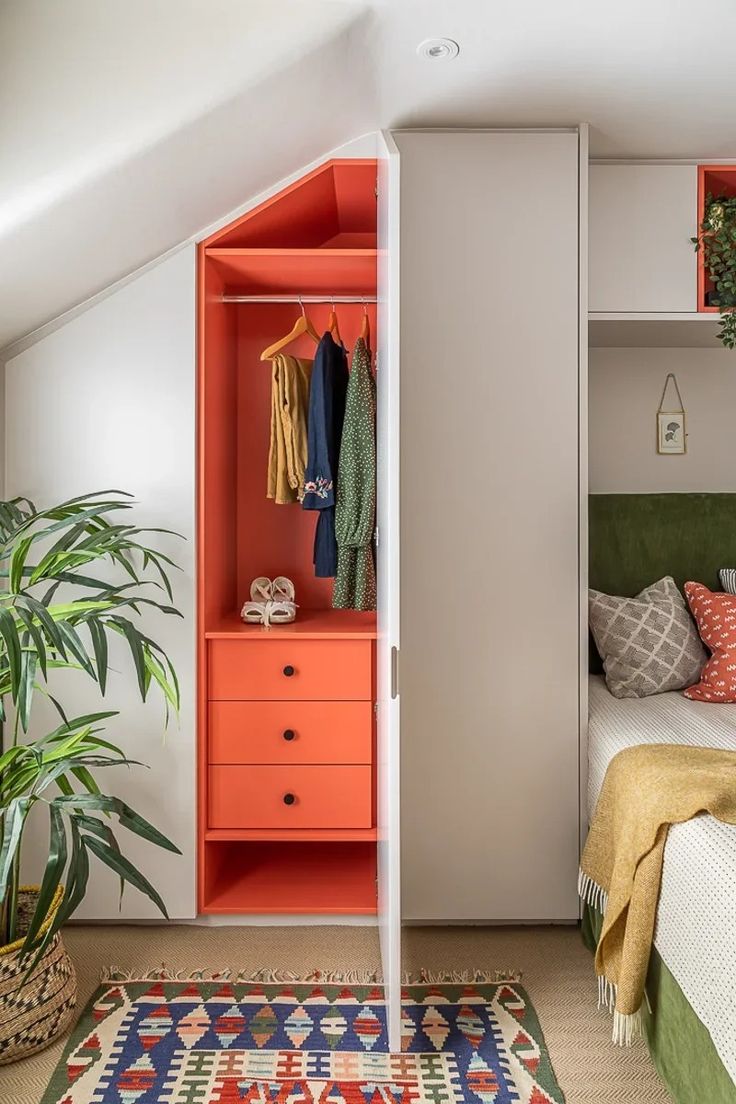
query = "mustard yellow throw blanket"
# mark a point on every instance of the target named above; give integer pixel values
(646, 789)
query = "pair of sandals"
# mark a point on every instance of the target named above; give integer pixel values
(272, 602)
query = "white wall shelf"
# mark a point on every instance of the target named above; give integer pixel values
(653, 330)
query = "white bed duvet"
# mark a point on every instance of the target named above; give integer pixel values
(695, 932)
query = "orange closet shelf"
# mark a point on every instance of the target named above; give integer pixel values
(296, 271)
(310, 624)
(334, 202)
(293, 835)
(274, 877)
(715, 180)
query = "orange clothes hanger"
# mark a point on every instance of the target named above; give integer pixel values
(365, 329)
(332, 325)
(301, 326)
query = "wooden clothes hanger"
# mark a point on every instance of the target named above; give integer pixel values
(301, 326)
(332, 325)
(365, 329)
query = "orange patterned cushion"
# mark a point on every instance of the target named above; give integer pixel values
(716, 618)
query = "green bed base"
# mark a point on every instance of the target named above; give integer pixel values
(635, 539)
(681, 1047)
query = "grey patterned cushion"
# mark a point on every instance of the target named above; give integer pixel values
(728, 579)
(649, 644)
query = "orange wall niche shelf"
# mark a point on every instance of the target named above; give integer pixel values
(713, 180)
(286, 721)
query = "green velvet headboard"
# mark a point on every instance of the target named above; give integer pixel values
(635, 539)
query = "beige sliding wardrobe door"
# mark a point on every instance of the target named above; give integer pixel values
(489, 524)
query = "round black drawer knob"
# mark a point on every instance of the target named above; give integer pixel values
(289, 734)
(289, 799)
(288, 670)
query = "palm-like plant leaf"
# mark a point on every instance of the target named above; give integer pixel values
(125, 869)
(48, 561)
(14, 819)
(27, 773)
(53, 874)
(11, 639)
(34, 620)
(99, 645)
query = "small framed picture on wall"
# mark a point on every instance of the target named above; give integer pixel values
(671, 435)
(671, 431)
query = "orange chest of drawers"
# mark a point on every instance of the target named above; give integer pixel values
(290, 735)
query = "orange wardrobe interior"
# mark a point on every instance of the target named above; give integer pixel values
(713, 180)
(286, 724)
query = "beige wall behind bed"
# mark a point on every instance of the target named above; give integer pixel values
(625, 389)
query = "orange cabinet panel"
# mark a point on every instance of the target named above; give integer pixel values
(290, 732)
(290, 797)
(267, 670)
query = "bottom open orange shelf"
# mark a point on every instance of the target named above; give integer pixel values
(276, 877)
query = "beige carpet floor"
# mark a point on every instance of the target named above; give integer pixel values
(556, 967)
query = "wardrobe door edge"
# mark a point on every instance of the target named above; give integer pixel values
(387, 551)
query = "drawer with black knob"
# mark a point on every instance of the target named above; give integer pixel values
(290, 797)
(275, 732)
(294, 670)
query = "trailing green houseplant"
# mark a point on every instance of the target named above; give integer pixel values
(716, 240)
(58, 612)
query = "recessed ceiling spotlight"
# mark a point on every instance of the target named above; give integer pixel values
(438, 49)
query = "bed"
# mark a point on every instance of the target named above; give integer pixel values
(691, 1031)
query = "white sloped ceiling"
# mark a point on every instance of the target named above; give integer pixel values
(127, 126)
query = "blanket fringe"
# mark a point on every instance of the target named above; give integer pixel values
(626, 1028)
(593, 894)
(606, 993)
(325, 977)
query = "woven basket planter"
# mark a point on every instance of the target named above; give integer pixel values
(34, 1014)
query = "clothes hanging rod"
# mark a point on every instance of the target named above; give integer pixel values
(328, 299)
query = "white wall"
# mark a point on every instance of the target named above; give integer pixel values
(108, 401)
(625, 389)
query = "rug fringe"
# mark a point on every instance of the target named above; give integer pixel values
(263, 976)
(161, 973)
(459, 977)
(325, 977)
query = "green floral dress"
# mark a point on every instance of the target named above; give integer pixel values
(355, 512)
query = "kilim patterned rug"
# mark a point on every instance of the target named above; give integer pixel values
(222, 1041)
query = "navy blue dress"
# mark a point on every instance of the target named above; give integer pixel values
(327, 396)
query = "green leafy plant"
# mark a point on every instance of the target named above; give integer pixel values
(717, 241)
(57, 612)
